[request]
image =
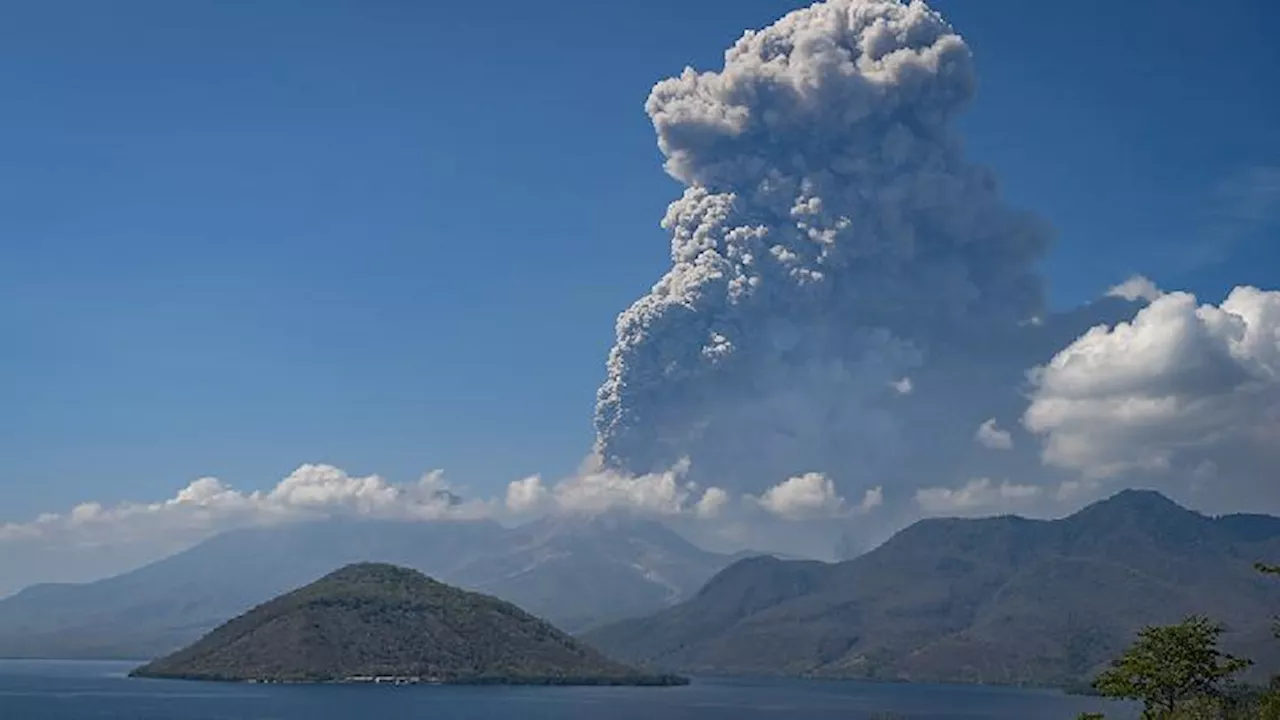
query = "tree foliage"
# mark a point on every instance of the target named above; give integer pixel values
(1178, 673)
(1269, 706)
(1271, 570)
(1172, 669)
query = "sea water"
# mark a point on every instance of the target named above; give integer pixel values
(55, 690)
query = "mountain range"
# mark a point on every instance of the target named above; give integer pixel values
(995, 600)
(577, 572)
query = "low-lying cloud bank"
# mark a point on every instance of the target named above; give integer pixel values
(315, 491)
(976, 497)
(208, 505)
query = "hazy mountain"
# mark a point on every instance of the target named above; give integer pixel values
(376, 620)
(572, 572)
(584, 571)
(994, 600)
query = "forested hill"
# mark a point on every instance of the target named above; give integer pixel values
(375, 620)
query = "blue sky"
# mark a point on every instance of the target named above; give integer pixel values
(394, 236)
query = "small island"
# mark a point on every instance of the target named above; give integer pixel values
(382, 624)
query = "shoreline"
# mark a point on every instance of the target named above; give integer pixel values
(660, 680)
(1080, 689)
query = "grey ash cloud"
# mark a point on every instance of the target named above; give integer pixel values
(832, 239)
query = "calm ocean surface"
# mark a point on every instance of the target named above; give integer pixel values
(101, 691)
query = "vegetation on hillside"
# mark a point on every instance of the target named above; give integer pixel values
(995, 600)
(368, 621)
(1178, 672)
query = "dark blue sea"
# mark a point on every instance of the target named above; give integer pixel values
(51, 690)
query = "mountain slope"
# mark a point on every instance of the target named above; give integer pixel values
(377, 620)
(169, 603)
(586, 571)
(574, 573)
(995, 600)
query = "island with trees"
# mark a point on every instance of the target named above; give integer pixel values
(380, 623)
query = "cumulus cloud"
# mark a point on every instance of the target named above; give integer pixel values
(831, 237)
(991, 436)
(977, 497)
(803, 497)
(598, 489)
(526, 495)
(1185, 392)
(210, 505)
(711, 503)
(813, 496)
(871, 499)
(1136, 288)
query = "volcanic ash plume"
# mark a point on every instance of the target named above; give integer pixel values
(831, 237)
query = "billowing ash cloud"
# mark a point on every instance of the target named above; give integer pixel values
(831, 239)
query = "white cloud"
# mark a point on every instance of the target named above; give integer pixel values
(327, 489)
(712, 502)
(595, 489)
(871, 500)
(803, 497)
(903, 386)
(526, 495)
(209, 505)
(980, 496)
(129, 534)
(1136, 287)
(1180, 386)
(598, 489)
(990, 435)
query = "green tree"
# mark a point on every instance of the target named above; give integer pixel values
(1269, 704)
(1172, 670)
(1271, 570)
